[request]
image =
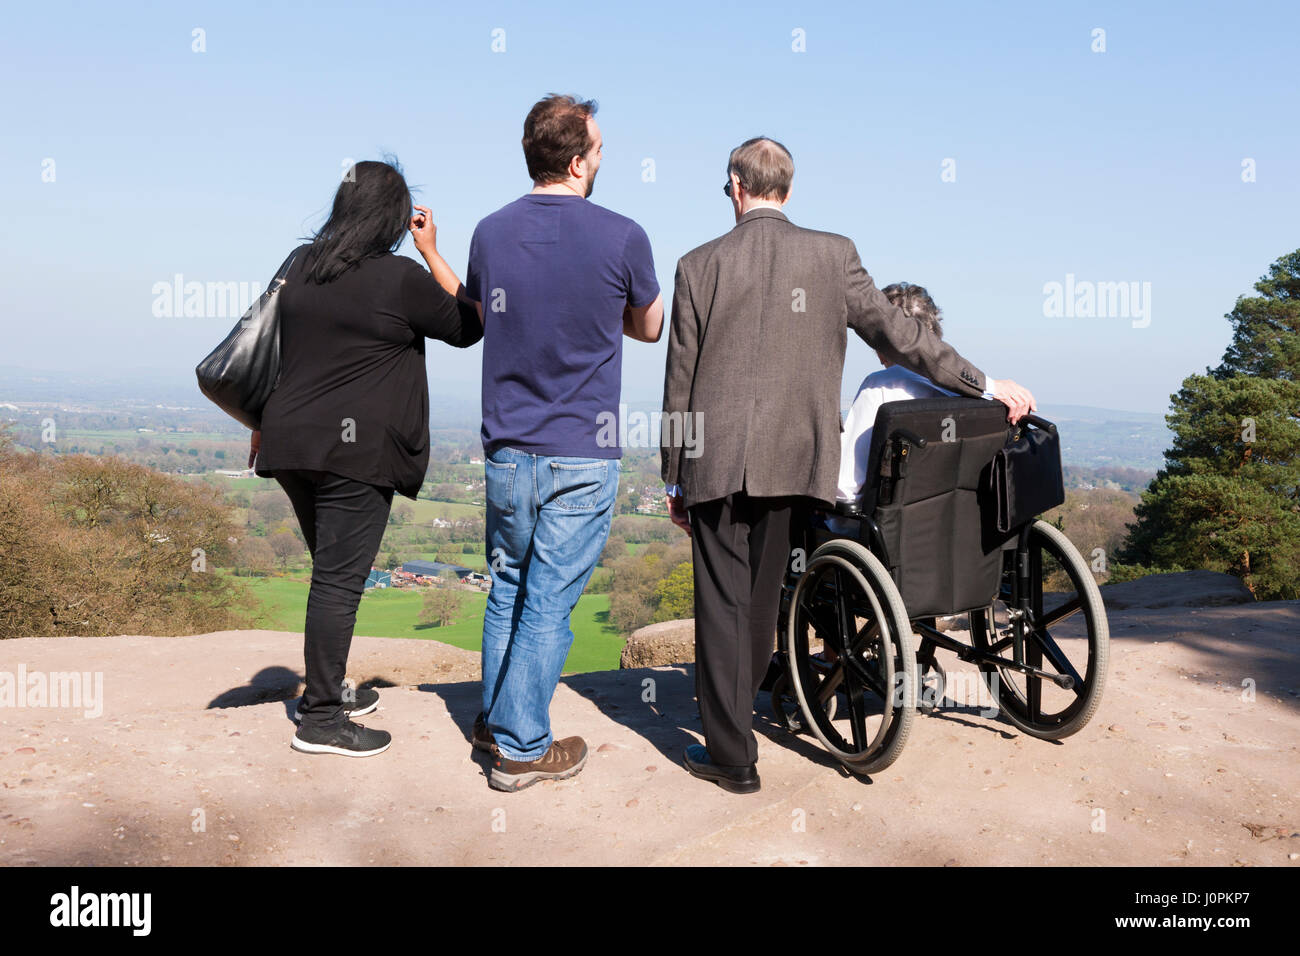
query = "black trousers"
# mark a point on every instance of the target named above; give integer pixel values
(343, 522)
(741, 547)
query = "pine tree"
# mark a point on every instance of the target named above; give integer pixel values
(1228, 498)
(1266, 327)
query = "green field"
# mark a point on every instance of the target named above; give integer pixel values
(426, 510)
(124, 436)
(476, 562)
(393, 613)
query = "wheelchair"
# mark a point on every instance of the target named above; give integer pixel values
(923, 544)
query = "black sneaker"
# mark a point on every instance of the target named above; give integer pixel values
(349, 740)
(367, 702)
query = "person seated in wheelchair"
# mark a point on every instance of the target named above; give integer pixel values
(891, 384)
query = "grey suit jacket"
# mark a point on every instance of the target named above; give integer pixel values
(756, 353)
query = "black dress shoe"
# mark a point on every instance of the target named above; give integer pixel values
(735, 779)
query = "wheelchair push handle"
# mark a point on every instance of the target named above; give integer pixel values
(1037, 422)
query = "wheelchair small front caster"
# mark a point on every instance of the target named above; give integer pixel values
(785, 707)
(934, 684)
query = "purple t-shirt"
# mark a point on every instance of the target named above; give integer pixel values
(553, 274)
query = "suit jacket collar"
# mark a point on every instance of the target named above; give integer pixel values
(762, 212)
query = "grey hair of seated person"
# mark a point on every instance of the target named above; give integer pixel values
(916, 303)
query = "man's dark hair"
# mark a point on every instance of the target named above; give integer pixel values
(764, 167)
(916, 303)
(371, 212)
(555, 131)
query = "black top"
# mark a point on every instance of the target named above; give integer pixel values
(352, 397)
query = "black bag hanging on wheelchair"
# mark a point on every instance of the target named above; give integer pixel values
(1026, 478)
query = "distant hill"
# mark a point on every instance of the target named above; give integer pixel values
(1091, 437)
(1110, 438)
(125, 386)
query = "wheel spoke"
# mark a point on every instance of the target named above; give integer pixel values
(1059, 614)
(1047, 645)
(857, 719)
(830, 684)
(868, 632)
(871, 679)
(843, 611)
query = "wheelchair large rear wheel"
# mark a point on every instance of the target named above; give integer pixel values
(852, 666)
(1065, 634)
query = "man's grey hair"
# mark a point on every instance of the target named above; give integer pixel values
(764, 167)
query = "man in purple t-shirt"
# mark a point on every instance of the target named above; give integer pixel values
(559, 282)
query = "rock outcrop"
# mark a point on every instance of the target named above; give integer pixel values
(1180, 589)
(657, 645)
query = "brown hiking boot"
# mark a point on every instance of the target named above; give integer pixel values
(482, 738)
(564, 759)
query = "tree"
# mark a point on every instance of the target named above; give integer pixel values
(94, 546)
(1228, 498)
(1266, 327)
(615, 548)
(254, 555)
(634, 581)
(286, 545)
(441, 606)
(675, 594)
(446, 492)
(274, 507)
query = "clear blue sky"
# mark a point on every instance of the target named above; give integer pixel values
(1115, 166)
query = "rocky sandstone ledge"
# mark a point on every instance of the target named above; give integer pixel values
(187, 762)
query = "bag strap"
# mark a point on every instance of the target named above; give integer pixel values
(283, 271)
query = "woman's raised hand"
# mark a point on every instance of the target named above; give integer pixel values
(423, 230)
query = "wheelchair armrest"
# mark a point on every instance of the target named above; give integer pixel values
(909, 436)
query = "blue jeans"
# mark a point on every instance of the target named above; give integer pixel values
(547, 521)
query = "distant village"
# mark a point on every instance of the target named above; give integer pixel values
(418, 574)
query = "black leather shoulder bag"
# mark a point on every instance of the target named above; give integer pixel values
(240, 374)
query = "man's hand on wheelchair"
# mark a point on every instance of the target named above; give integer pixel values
(677, 513)
(1018, 399)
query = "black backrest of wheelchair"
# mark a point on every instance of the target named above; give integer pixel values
(935, 523)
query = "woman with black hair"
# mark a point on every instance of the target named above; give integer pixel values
(348, 422)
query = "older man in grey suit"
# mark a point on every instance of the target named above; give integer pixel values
(751, 395)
